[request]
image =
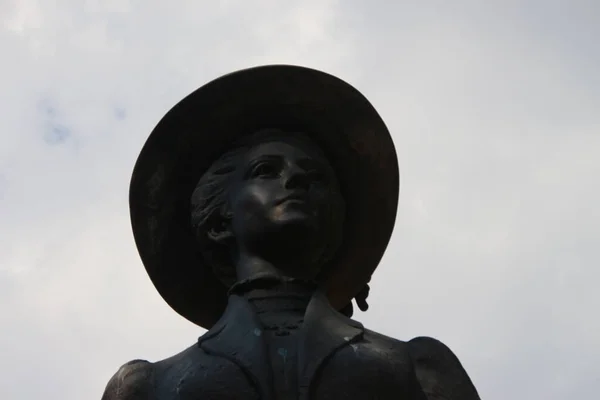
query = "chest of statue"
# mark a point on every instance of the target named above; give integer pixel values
(356, 371)
(329, 356)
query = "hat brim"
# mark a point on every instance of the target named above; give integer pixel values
(200, 128)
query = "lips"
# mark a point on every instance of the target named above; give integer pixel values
(295, 198)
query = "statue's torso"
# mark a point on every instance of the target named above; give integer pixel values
(329, 357)
(373, 368)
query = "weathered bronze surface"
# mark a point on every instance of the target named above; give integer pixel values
(261, 205)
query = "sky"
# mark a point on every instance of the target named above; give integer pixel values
(493, 107)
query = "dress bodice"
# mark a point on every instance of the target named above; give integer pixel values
(336, 358)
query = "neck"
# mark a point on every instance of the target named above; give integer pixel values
(279, 303)
(249, 267)
(269, 289)
(265, 286)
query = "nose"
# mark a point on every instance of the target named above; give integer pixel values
(296, 178)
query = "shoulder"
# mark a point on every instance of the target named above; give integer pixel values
(382, 340)
(132, 381)
(427, 346)
(428, 352)
(439, 370)
(137, 379)
(140, 379)
(382, 348)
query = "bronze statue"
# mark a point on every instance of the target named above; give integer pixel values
(261, 204)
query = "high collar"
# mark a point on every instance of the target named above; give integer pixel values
(237, 337)
(274, 283)
(279, 298)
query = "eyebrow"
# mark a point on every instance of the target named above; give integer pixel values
(306, 163)
(265, 157)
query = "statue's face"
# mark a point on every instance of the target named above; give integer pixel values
(279, 202)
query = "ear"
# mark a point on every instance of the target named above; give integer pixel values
(221, 232)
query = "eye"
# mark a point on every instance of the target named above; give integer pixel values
(264, 169)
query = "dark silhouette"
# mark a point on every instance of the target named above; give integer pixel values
(261, 205)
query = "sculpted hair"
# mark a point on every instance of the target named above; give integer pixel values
(210, 208)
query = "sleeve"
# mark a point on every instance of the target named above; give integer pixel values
(133, 381)
(439, 372)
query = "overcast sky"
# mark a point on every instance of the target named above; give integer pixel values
(494, 107)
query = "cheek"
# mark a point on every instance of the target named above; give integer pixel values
(250, 201)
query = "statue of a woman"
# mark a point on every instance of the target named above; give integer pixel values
(261, 204)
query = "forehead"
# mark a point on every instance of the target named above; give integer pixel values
(293, 149)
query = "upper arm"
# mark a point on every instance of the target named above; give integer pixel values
(133, 381)
(440, 373)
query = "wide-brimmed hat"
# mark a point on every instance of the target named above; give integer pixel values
(201, 127)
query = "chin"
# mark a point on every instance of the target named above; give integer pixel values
(297, 221)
